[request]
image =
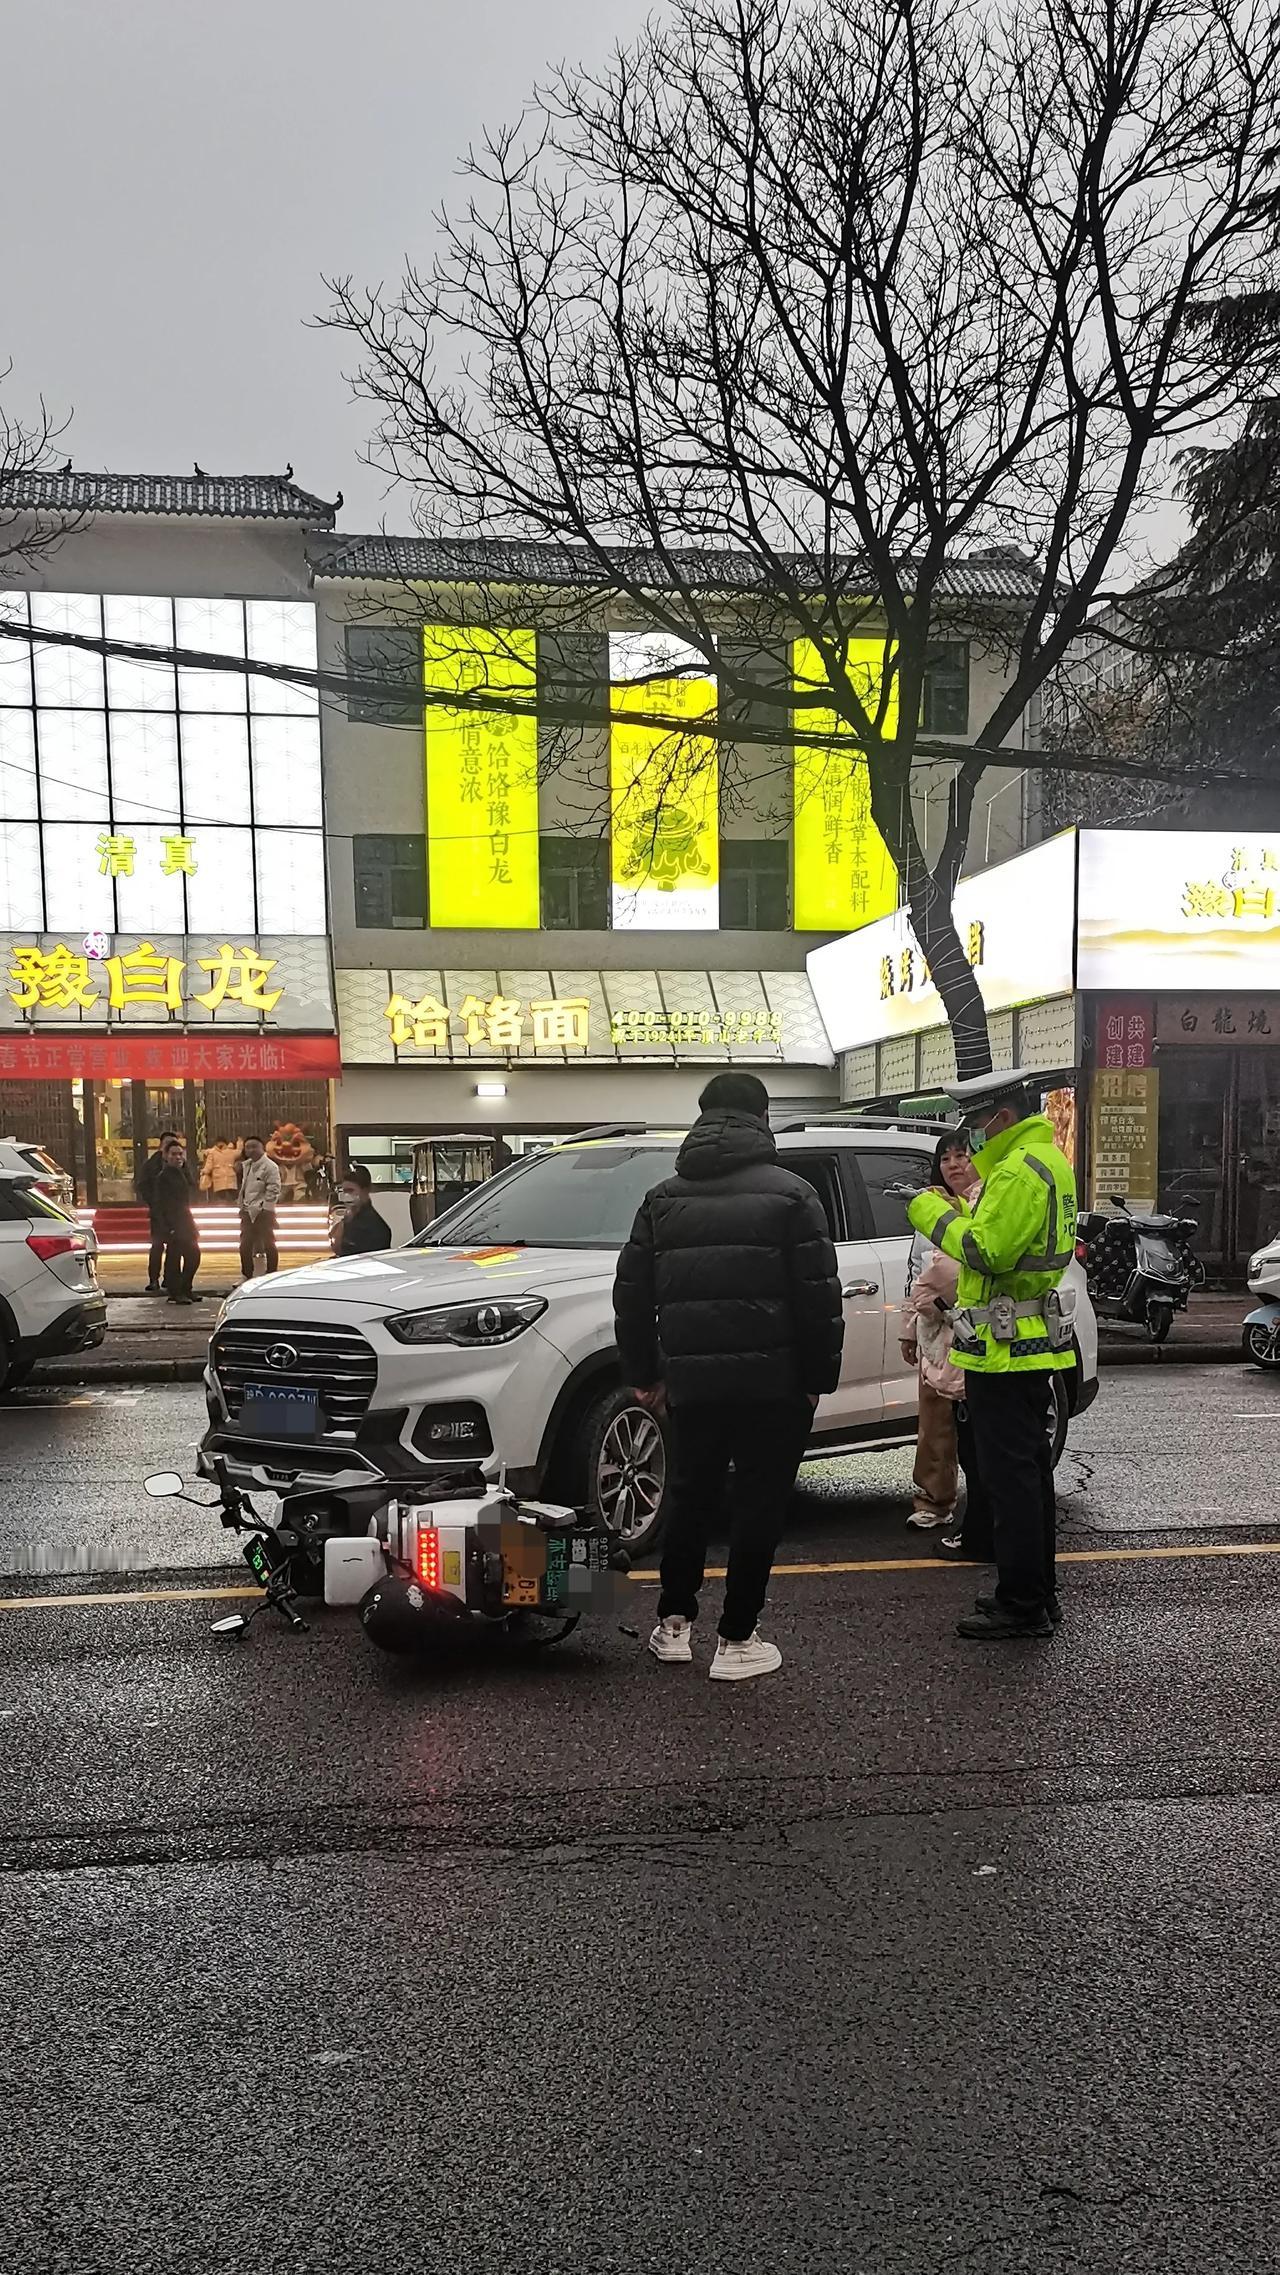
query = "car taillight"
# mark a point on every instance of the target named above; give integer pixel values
(47, 1245)
(429, 1557)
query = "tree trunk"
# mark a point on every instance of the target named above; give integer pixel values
(953, 976)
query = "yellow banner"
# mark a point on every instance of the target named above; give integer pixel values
(844, 877)
(664, 800)
(482, 782)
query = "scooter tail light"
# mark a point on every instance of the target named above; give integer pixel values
(1082, 1251)
(429, 1557)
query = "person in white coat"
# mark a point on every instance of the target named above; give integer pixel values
(259, 1200)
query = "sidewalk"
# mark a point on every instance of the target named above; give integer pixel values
(1209, 1331)
(149, 1340)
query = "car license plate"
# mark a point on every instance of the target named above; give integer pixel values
(279, 1410)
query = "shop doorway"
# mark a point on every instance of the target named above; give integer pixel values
(1220, 1150)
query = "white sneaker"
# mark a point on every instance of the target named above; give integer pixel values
(738, 1662)
(925, 1520)
(672, 1640)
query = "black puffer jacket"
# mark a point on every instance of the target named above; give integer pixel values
(728, 1288)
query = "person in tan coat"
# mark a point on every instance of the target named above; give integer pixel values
(926, 1337)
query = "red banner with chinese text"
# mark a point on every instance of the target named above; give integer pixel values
(1125, 1031)
(169, 1058)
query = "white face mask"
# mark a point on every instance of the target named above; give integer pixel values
(349, 1195)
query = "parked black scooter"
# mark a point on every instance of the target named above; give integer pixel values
(1139, 1267)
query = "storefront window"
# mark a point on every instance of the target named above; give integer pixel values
(1193, 1100)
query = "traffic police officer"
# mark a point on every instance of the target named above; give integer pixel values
(1013, 1330)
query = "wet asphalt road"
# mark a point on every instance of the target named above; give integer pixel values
(912, 1958)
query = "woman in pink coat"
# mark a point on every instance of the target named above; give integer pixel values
(926, 1337)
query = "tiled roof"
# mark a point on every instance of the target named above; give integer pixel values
(226, 497)
(999, 575)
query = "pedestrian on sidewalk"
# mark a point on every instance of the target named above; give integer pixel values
(146, 1192)
(360, 1230)
(175, 1191)
(259, 1200)
(1012, 1334)
(925, 1339)
(727, 1311)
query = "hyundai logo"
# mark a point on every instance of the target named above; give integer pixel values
(282, 1355)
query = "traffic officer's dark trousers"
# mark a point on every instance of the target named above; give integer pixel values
(763, 1442)
(1008, 1416)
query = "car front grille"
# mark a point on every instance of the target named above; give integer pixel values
(334, 1361)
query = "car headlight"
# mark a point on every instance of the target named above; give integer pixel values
(1255, 1266)
(474, 1326)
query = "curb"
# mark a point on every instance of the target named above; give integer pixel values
(1172, 1355)
(124, 1371)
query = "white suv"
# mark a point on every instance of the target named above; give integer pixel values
(50, 1301)
(490, 1337)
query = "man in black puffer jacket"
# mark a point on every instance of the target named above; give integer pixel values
(727, 1309)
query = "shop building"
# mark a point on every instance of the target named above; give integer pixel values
(1148, 961)
(163, 902)
(523, 946)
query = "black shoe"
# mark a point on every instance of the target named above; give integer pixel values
(1053, 1607)
(1001, 1626)
(153, 1290)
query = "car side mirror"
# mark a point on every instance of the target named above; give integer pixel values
(163, 1485)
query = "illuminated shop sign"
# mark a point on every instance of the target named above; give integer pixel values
(1185, 909)
(409, 1017)
(844, 877)
(143, 799)
(100, 982)
(482, 782)
(664, 788)
(1016, 925)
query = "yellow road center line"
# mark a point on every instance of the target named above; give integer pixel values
(649, 1577)
(129, 1596)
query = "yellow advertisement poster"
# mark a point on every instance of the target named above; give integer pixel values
(1124, 1136)
(482, 782)
(664, 790)
(844, 877)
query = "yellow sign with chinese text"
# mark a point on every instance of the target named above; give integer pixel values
(482, 781)
(1124, 1136)
(664, 786)
(843, 874)
(61, 979)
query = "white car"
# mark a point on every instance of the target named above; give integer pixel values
(489, 1338)
(50, 1301)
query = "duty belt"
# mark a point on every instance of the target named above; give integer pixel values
(970, 1317)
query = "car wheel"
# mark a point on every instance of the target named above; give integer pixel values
(16, 1371)
(626, 1461)
(1262, 1344)
(1059, 1415)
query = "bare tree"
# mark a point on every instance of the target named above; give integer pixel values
(851, 293)
(28, 450)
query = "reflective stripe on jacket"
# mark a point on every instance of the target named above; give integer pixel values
(1017, 1242)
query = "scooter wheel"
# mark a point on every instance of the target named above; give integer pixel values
(1159, 1321)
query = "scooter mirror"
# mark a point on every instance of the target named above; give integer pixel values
(163, 1486)
(235, 1623)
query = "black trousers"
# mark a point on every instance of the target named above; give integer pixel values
(156, 1256)
(763, 1443)
(182, 1261)
(1008, 1425)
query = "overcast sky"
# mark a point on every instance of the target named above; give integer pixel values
(179, 176)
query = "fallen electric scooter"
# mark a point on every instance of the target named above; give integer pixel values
(414, 1562)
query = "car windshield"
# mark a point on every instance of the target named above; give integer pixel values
(582, 1196)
